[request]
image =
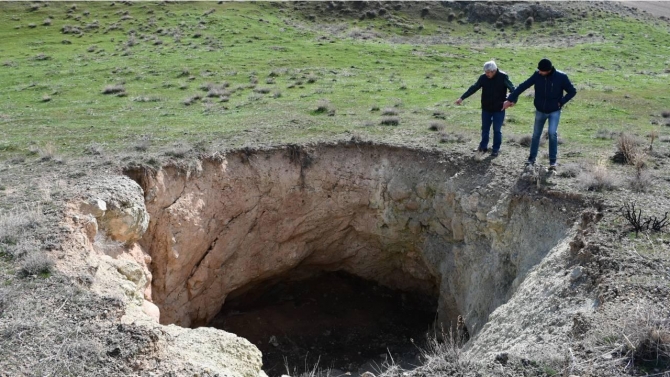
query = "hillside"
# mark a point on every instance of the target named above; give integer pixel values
(166, 167)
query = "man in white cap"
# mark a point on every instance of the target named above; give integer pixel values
(494, 84)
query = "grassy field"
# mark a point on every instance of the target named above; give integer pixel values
(234, 74)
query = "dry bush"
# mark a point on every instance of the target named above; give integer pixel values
(390, 111)
(598, 178)
(14, 223)
(114, 89)
(570, 170)
(452, 138)
(191, 100)
(36, 262)
(444, 354)
(641, 179)
(524, 140)
(627, 149)
(436, 126)
(653, 135)
(390, 121)
(94, 149)
(47, 152)
(640, 337)
(604, 134)
(324, 106)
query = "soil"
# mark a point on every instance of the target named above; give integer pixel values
(335, 320)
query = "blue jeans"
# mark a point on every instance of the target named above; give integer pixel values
(496, 118)
(540, 119)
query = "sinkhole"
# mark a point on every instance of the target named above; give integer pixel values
(337, 250)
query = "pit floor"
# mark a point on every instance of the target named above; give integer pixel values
(337, 320)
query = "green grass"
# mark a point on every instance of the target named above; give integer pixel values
(53, 91)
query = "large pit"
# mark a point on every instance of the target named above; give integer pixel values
(263, 234)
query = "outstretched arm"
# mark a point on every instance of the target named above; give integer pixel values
(471, 90)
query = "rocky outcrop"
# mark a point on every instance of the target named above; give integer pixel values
(107, 221)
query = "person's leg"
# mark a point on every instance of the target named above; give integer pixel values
(553, 136)
(540, 118)
(486, 129)
(498, 118)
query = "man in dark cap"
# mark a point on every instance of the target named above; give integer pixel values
(550, 85)
(495, 84)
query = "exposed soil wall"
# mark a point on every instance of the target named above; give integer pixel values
(409, 219)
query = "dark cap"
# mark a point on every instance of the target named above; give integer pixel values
(545, 65)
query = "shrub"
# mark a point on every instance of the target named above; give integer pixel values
(94, 149)
(36, 263)
(114, 89)
(390, 121)
(604, 134)
(627, 149)
(598, 178)
(452, 138)
(666, 114)
(529, 22)
(390, 111)
(324, 106)
(436, 126)
(47, 152)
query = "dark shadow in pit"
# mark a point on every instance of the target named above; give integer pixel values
(337, 320)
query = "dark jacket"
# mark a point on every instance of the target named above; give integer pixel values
(494, 90)
(548, 90)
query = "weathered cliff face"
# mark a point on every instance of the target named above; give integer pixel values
(104, 224)
(408, 219)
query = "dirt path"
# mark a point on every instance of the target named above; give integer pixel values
(656, 8)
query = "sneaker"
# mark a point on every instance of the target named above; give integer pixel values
(529, 163)
(552, 167)
(494, 154)
(481, 150)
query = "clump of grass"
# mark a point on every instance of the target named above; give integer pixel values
(276, 94)
(598, 178)
(146, 99)
(570, 170)
(143, 144)
(192, 99)
(36, 263)
(324, 106)
(41, 57)
(436, 126)
(439, 115)
(529, 22)
(390, 121)
(114, 89)
(262, 90)
(390, 111)
(47, 152)
(374, 108)
(604, 134)
(666, 114)
(452, 138)
(46, 98)
(94, 149)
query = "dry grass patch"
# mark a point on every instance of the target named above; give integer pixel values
(598, 178)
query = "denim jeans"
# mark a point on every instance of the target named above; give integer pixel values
(540, 119)
(496, 118)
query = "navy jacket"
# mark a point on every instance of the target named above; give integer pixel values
(548, 90)
(494, 90)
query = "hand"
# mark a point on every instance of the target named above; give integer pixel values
(507, 104)
(459, 101)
